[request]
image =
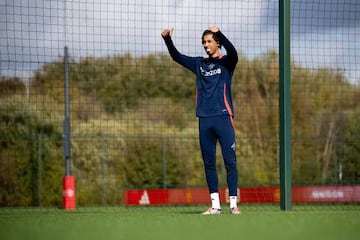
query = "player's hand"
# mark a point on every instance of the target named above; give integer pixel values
(167, 32)
(213, 29)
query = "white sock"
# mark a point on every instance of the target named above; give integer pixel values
(233, 201)
(215, 200)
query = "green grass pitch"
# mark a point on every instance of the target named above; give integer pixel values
(181, 223)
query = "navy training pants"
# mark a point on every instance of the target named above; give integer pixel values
(212, 129)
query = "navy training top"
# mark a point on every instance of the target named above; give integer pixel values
(213, 78)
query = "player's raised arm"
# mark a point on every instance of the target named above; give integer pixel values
(185, 61)
(232, 56)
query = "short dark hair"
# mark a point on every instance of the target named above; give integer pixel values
(208, 32)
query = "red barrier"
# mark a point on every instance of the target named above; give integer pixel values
(326, 194)
(69, 193)
(300, 194)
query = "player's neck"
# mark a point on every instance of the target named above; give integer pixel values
(217, 54)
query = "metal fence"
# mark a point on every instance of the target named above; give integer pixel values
(131, 108)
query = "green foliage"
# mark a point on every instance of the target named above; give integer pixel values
(29, 151)
(11, 86)
(120, 82)
(130, 115)
(351, 159)
(322, 101)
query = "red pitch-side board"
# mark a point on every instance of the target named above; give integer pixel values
(300, 194)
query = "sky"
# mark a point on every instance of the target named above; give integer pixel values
(324, 33)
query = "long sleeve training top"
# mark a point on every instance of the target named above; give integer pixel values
(213, 78)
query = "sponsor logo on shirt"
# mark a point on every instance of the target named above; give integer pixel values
(210, 73)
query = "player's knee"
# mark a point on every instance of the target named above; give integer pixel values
(209, 166)
(230, 164)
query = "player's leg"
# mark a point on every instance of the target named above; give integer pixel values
(208, 150)
(226, 133)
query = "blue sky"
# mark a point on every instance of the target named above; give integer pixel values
(325, 33)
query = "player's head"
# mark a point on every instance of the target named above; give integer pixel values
(211, 43)
(210, 33)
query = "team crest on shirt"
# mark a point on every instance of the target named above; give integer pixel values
(211, 66)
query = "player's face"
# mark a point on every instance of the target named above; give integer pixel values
(210, 45)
